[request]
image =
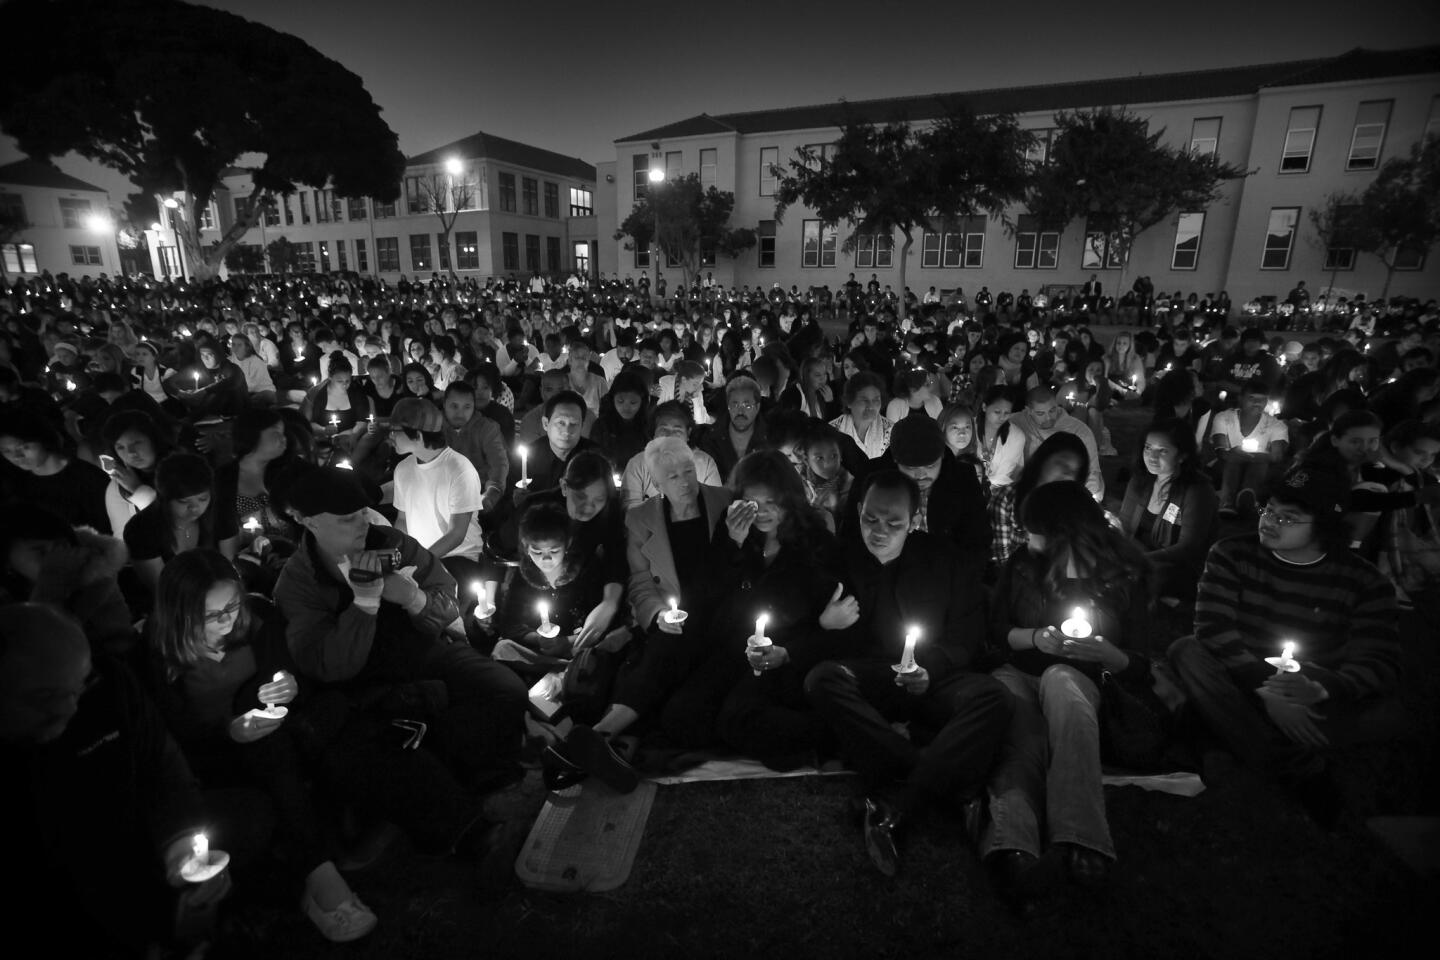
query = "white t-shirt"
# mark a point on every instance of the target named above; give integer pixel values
(1267, 430)
(257, 375)
(430, 493)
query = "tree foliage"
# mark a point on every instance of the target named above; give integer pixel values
(284, 256)
(247, 258)
(691, 221)
(1399, 213)
(445, 195)
(884, 178)
(1334, 223)
(1106, 167)
(171, 94)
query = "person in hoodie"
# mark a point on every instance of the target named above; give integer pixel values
(75, 569)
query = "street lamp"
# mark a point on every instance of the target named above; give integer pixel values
(98, 223)
(657, 177)
(454, 166)
(172, 203)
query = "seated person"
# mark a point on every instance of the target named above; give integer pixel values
(184, 516)
(1410, 540)
(477, 438)
(671, 420)
(1247, 440)
(437, 491)
(357, 619)
(1169, 508)
(529, 430)
(828, 484)
(740, 429)
(669, 538)
(1047, 786)
(1349, 450)
(902, 581)
(133, 445)
(562, 421)
(1062, 456)
(45, 473)
(1294, 581)
(101, 885)
(620, 429)
(686, 386)
(862, 421)
(1041, 419)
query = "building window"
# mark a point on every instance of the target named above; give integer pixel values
(1410, 258)
(19, 257)
(468, 189)
(930, 249)
(322, 205)
(305, 255)
(1300, 140)
(324, 254)
(642, 258)
(1039, 150)
(73, 213)
(420, 252)
(306, 214)
(960, 244)
(340, 256)
(769, 160)
(287, 210)
(1102, 250)
(1035, 249)
(531, 192)
(207, 217)
(383, 210)
(707, 167)
(532, 253)
(12, 208)
(707, 254)
(1205, 136)
(510, 249)
(242, 208)
(1340, 246)
(552, 254)
(387, 254)
(581, 252)
(336, 206)
(355, 208)
(640, 175)
(85, 256)
(415, 199)
(1279, 238)
(272, 213)
(442, 244)
(767, 243)
(817, 244)
(362, 262)
(582, 202)
(1339, 258)
(874, 250)
(674, 165)
(1188, 230)
(1369, 137)
(552, 200)
(467, 250)
(819, 154)
(507, 192)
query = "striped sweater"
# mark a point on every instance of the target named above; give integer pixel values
(1340, 611)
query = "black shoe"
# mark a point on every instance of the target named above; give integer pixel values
(589, 751)
(881, 823)
(558, 771)
(1010, 872)
(1085, 867)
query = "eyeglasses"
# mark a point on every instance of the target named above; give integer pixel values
(742, 406)
(1269, 513)
(220, 616)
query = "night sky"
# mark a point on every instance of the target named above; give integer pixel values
(563, 75)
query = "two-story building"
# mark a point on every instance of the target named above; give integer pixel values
(1304, 130)
(512, 209)
(55, 222)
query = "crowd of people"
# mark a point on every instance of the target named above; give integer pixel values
(290, 562)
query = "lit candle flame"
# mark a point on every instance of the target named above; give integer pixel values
(200, 848)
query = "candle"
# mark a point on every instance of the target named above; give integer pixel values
(1078, 624)
(1273, 408)
(200, 849)
(69, 384)
(546, 628)
(484, 609)
(1250, 445)
(314, 381)
(675, 614)
(1286, 662)
(1223, 394)
(907, 657)
(345, 465)
(616, 477)
(371, 418)
(524, 466)
(253, 525)
(197, 379)
(758, 640)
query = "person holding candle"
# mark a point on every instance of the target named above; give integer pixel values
(828, 484)
(184, 516)
(337, 406)
(1061, 457)
(562, 420)
(1247, 440)
(79, 736)
(217, 661)
(1078, 569)
(1170, 508)
(899, 580)
(1294, 580)
(359, 620)
(252, 486)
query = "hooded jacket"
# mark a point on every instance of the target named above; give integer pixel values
(83, 582)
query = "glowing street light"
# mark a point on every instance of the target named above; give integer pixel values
(656, 175)
(157, 226)
(454, 166)
(171, 203)
(98, 223)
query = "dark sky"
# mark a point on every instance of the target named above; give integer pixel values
(572, 76)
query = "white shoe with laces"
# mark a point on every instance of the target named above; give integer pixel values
(349, 921)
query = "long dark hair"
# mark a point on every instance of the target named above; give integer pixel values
(182, 475)
(178, 623)
(626, 381)
(142, 423)
(803, 526)
(1076, 530)
(1182, 437)
(1054, 444)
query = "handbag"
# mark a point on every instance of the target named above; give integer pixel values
(585, 688)
(1134, 723)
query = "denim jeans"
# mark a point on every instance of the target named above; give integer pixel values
(1047, 784)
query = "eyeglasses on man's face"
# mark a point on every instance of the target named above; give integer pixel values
(1280, 519)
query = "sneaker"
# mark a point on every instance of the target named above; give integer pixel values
(349, 921)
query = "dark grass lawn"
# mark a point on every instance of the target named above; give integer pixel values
(774, 868)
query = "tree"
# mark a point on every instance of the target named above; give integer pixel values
(880, 179)
(1399, 213)
(284, 256)
(171, 94)
(693, 222)
(1334, 223)
(1107, 167)
(446, 195)
(248, 258)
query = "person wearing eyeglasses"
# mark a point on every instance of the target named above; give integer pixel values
(1294, 580)
(739, 430)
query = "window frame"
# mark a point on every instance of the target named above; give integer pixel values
(86, 255)
(73, 211)
(554, 259)
(765, 245)
(767, 170)
(16, 255)
(530, 196)
(708, 181)
(1040, 243)
(442, 252)
(580, 255)
(1266, 249)
(550, 198)
(1199, 235)
(467, 250)
(356, 203)
(362, 256)
(508, 198)
(387, 251)
(532, 253)
(1351, 162)
(510, 250)
(640, 175)
(417, 265)
(1213, 141)
(586, 206)
(1286, 152)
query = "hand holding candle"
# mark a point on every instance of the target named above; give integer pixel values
(757, 642)
(524, 480)
(203, 863)
(907, 657)
(1286, 662)
(675, 615)
(1077, 625)
(1250, 445)
(484, 609)
(546, 629)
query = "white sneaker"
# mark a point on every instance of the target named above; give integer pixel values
(349, 921)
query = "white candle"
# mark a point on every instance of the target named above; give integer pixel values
(1078, 625)
(314, 381)
(674, 606)
(197, 379)
(1223, 394)
(758, 640)
(253, 525)
(1250, 445)
(616, 477)
(907, 657)
(544, 609)
(69, 384)
(1273, 408)
(524, 464)
(484, 609)
(1286, 662)
(371, 418)
(200, 849)
(345, 465)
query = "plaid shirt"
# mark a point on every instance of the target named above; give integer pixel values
(1006, 535)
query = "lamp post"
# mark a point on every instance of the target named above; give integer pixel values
(657, 177)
